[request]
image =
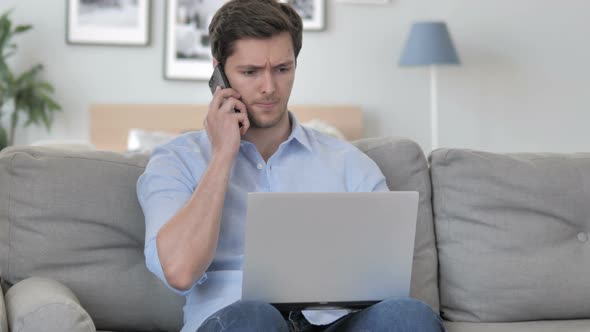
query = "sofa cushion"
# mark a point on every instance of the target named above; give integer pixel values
(40, 304)
(581, 325)
(3, 316)
(404, 165)
(73, 216)
(512, 235)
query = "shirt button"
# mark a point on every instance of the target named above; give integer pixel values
(260, 166)
(582, 237)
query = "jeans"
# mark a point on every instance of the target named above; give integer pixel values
(399, 315)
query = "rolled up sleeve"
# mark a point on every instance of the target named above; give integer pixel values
(162, 190)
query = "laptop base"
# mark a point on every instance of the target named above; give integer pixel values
(353, 305)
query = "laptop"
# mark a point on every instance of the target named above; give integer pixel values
(328, 250)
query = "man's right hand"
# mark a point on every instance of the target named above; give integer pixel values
(222, 122)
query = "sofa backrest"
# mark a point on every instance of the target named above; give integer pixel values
(512, 235)
(74, 217)
(404, 165)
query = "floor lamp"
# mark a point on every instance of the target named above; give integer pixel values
(429, 44)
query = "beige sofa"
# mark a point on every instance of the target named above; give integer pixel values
(501, 242)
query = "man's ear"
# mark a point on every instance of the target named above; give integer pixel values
(215, 62)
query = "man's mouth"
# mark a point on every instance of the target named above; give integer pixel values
(266, 104)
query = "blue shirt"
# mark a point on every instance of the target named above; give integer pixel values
(307, 161)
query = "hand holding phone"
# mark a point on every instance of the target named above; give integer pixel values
(219, 79)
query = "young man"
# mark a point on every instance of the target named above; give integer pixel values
(193, 192)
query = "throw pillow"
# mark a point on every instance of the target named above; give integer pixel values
(39, 304)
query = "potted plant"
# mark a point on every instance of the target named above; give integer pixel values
(21, 95)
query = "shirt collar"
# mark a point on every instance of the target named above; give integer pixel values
(298, 133)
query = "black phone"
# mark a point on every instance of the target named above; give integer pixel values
(218, 79)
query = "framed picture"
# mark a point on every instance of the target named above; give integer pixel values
(187, 54)
(312, 13)
(188, 50)
(365, 2)
(108, 22)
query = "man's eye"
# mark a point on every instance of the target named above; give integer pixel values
(283, 69)
(248, 72)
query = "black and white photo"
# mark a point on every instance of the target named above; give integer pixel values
(311, 12)
(188, 51)
(365, 2)
(108, 22)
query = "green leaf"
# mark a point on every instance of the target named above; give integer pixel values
(46, 119)
(6, 14)
(5, 34)
(22, 28)
(5, 31)
(32, 117)
(3, 138)
(29, 76)
(51, 104)
(6, 76)
(44, 86)
(14, 119)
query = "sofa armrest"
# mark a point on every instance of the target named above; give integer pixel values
(40, 304)
(3, 318)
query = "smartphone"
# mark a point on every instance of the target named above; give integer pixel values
(219, 79)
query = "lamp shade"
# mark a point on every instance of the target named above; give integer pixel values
(429, 43)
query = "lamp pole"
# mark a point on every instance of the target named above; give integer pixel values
(433, 109)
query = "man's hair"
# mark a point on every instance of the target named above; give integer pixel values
(239, 19)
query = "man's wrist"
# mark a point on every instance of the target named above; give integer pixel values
(222, 161)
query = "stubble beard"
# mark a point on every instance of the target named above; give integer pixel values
(258, 123)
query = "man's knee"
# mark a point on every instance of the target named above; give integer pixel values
(411, 310)
(256, 308)
(246, 316)
(405, 304)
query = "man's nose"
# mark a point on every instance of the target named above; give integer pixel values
(268, 82)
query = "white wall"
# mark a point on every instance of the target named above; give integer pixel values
(524, 84)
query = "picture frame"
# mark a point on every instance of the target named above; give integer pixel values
(312, 12)
(187, 51)
(108, 22)
(365, 2)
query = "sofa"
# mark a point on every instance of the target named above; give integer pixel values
(501, 239)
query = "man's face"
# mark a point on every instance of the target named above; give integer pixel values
(263, 71)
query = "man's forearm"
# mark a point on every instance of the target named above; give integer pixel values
(187, 242)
